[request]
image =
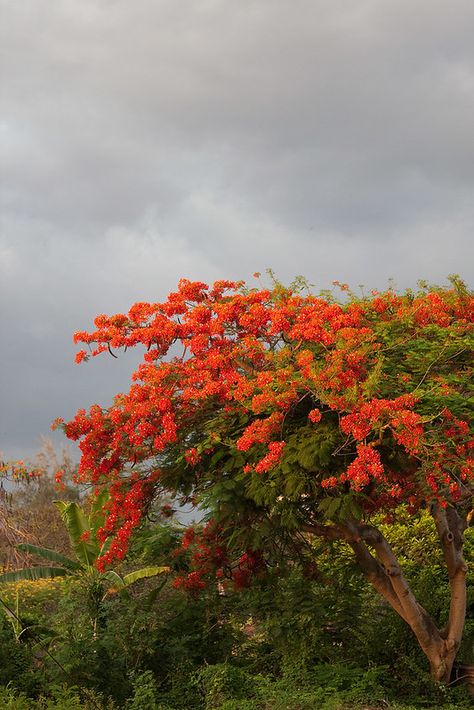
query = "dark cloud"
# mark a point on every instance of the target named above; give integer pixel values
(146, 141)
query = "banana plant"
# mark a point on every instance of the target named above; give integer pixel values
(82, 532)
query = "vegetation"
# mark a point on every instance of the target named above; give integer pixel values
(295, 638)
(327, 446)
(292, 415)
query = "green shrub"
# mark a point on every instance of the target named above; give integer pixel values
(144, 693)
(16, 661)
(60, 697)
(223, 682)
(12, 699)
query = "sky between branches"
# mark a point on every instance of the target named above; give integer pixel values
(146, 141)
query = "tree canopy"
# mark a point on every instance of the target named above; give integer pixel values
(284, 411)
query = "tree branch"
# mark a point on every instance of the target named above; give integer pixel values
(376, 575)
(450, 529)
(370, 566)
(415, 615)
(327, 532)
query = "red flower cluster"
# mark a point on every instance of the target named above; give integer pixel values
(208, 554)
(275, 452)
(191, 456)
(211, 561)
(377, 412)
(315, 416)
(366, 466)
(192, 582)
(260, 431)
(125, 507)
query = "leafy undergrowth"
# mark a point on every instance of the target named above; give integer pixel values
(326, 687)
(228, 687)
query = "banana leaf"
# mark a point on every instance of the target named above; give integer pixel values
(97, 516)
(77, 526)
(34, 573)
(50, 555)
(116, 581)
(144, 573)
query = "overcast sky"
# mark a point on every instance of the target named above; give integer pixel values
(149, 140)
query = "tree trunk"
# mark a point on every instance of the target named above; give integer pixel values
(450, 527)
(441, 661)
(385, 574)
(380, 566)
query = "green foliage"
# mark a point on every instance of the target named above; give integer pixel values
(144, 693)
(34, 573)
(87, 654)
(223, 682)
(51, 555)
(59, 697)
(11, 699)
(309, 635)
(78, 526)
(325, 687)
(16, 661)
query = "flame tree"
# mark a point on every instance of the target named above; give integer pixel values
(295, 415)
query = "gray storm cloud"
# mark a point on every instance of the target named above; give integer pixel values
(142, 142)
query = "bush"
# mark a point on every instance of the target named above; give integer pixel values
(60, 697)
(223, 682)
(16, 662)
(12, 699)
(144, 693)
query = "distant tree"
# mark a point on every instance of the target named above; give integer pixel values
(294, 415)
(27, 491)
